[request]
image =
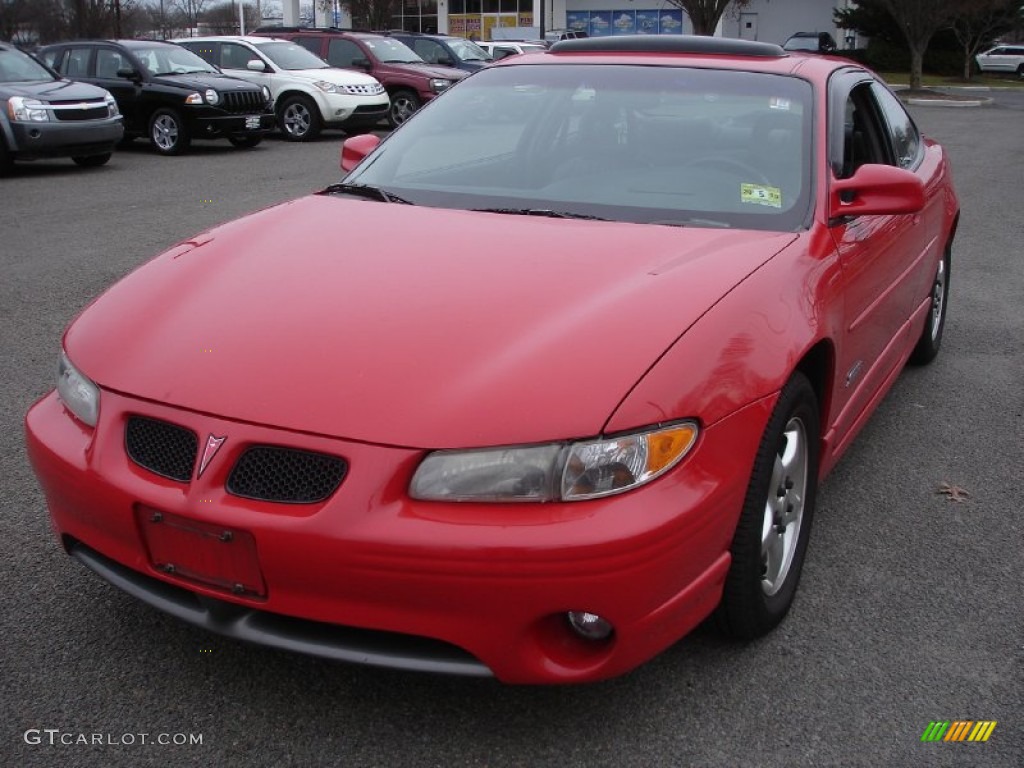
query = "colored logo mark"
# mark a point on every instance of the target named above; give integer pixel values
(958, 730)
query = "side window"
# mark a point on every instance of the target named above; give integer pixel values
(429, 50)
(499, 52)
(311, 44)
(108, 62)
(206, 51)
(864, 136)
(50, 59)
(341, 53)
(235, 56)
(906, 141)
(77, 62)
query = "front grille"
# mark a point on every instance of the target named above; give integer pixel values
(372, 89)
(163, 448)
(288, 475)
(244, 102)
(74, 111)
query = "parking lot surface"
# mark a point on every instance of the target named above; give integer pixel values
(909, 609)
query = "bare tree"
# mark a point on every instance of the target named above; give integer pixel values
(979, 22)
(705, 14)
(920, 20)
(222, 19)
(372, 14)
(190, 11)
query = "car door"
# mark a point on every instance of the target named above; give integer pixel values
(108, 62)
(880, 256)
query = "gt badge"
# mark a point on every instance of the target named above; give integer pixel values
(213, 445)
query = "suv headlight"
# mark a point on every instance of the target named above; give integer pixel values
(326, 87)
(212, 97)
(78, 392)
(112, 109)
(267, 96)
(587, 469)
(25, 110)
(439, 84)
(194, 98)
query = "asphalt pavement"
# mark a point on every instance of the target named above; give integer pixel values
(909, 610)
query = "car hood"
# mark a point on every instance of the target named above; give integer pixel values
(200, 81)
(333, 75)
(409, 326)
(53, 90)
(427, 70)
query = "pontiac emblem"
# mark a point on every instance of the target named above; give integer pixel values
(213, 444)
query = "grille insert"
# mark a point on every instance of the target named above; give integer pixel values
(288, 475)
(163, 448)
(243, 101)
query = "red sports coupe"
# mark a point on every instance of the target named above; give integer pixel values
(649, 291)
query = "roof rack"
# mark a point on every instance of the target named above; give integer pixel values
(669, 44)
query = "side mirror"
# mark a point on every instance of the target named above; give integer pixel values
(875, 190)
(356, 148)
(129, 74)
(446, 61)
(255, 65)
(362, 63)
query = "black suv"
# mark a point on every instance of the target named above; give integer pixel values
(42, 115)
(409, 81)
(445, 50)
(166, 92)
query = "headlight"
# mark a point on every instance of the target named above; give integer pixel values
(27, 110)
(112, 110)
(326, 87)
(266, 93)
(194, 98)
(78, 393)
(587, 469)
(439, 84)
(212, 97)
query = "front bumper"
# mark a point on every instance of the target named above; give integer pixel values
(493, 582)
(348, 112)
(212, 124)
(66, 139)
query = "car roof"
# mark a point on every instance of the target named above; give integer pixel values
(254, 40)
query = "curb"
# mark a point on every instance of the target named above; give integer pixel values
(948, 102)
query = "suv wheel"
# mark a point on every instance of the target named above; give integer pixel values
(403, 104)
(6, 161)
(168, 133)
(299, 119)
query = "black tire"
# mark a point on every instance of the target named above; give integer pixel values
(245, 142)
(403, 104)
(767, 559)
(168, 132)
(931, 336)
(6, 161)
(298, 117)
(92, 161)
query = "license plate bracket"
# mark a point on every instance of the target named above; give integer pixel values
(215, 556)
(252, 122)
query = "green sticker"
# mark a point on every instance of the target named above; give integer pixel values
(759, 194)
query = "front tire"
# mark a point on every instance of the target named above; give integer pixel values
(403, 104)
(92, 161)
(168, 133)
(775, 524)
(6, 161)
(931, 336)
(299, 119)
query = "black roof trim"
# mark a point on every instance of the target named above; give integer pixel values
(669, 44)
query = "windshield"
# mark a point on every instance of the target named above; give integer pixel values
(802, 44)
(18, 67)
(172, 60)
(629, 143)
(467, 50)
(392, 51)
(291, 56)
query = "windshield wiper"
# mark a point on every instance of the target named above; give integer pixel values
(541, 212)
(703, 223)
(367, 191)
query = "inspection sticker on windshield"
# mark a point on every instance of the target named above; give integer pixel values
(778, 103)
(759, 194)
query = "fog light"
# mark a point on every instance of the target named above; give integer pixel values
(589, 625)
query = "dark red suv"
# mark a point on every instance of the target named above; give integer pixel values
(410, 81)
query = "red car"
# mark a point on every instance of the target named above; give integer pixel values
(657, 287)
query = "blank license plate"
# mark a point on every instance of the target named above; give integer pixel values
(252, 122)
(212, 555)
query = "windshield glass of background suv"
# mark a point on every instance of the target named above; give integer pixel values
(291, 56)
(171, 60)
(627, 143)
(467, 50)
(393, 52)
(18, 67)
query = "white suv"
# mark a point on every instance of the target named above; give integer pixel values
(1002, 58)
(309, 95)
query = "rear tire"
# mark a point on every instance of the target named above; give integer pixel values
(92, 161)
(299, 119)
(775, 524)
(245, 142)
(931, 336)
(168, 133)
